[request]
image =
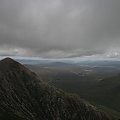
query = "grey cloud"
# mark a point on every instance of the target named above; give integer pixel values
(59, 28)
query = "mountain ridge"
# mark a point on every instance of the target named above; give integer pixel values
(23, 96)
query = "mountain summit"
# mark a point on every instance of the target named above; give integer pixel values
(12, 65)
(8, 62)
(24, 97)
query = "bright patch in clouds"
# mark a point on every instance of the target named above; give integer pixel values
(114, 52)
(14, 51)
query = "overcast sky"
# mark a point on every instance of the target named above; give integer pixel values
(59, 28)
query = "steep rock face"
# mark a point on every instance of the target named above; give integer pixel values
(24, 97)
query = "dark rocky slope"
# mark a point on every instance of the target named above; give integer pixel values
(24, 97)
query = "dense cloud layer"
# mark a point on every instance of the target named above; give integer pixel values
(59, 28)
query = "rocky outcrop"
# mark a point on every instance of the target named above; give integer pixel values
(24, 97)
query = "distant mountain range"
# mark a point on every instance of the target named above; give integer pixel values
(74, 60)
(25, 97)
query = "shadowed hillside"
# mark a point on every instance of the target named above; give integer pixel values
(24, 97)
(107, 92)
